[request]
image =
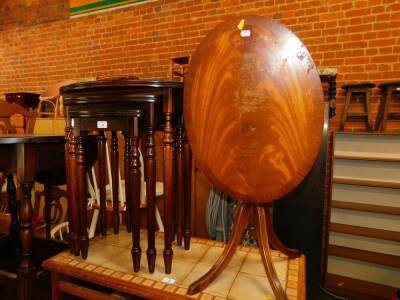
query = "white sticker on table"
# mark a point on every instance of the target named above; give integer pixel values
(245, 33)
(168, 280)
(101, 124)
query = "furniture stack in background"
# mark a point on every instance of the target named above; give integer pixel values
(364, 228)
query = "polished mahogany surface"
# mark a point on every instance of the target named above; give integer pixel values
(30, 139)
(253, 109)
(122, 83)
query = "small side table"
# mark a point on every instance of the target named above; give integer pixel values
(129, 105)
(26, 155)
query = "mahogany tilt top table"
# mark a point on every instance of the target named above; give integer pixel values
(128, 105)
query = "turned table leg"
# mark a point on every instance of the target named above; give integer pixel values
(13, 208)
(127, 156)
(115, 179)
(187, 200)
(180, 185)
(135, 180)
(82, 196)
(101, 143)
(150, 165)
(48, 187)
(72, 186)
(26, 270)
(55, 290)
(168, 182)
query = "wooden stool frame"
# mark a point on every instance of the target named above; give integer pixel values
(362, 90)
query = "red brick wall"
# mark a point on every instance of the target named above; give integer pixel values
(40, 45)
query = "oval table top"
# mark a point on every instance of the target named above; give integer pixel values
(253, 109)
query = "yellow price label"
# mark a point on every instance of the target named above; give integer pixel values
(268, 297)
(241, 24)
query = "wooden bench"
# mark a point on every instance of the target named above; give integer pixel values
(109, 265)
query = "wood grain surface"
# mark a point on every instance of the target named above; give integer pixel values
(253, 109)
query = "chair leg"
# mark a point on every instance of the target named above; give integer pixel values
(379, 116)
(386, 109)
(345, 111)
(159, 220)
(368, 110)
(93, 223)
(13, 208)
(48, 187)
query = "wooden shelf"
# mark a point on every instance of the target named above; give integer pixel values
(366, 182)
(354, 287)
(363, 255)
(379, 209)
(365, 167)
(365, 231)
(366, 156)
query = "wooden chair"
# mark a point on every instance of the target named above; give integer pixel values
(15, 119)
(121, 190)
(178, 68)
(254, 115)
(59, 231)
(51, 98)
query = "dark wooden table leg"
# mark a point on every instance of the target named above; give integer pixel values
(168, 182)
(115, 179)
(150, 165)
(101, 143)
(180, 185)
(127, 156)
(13, 208)
(187, 233)
(48, 187)
(242, 220)
(26, 270)
(135, 180)
(273, 237)
(82, 196)
(263, 243)
(55, 291)
(73, 208)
